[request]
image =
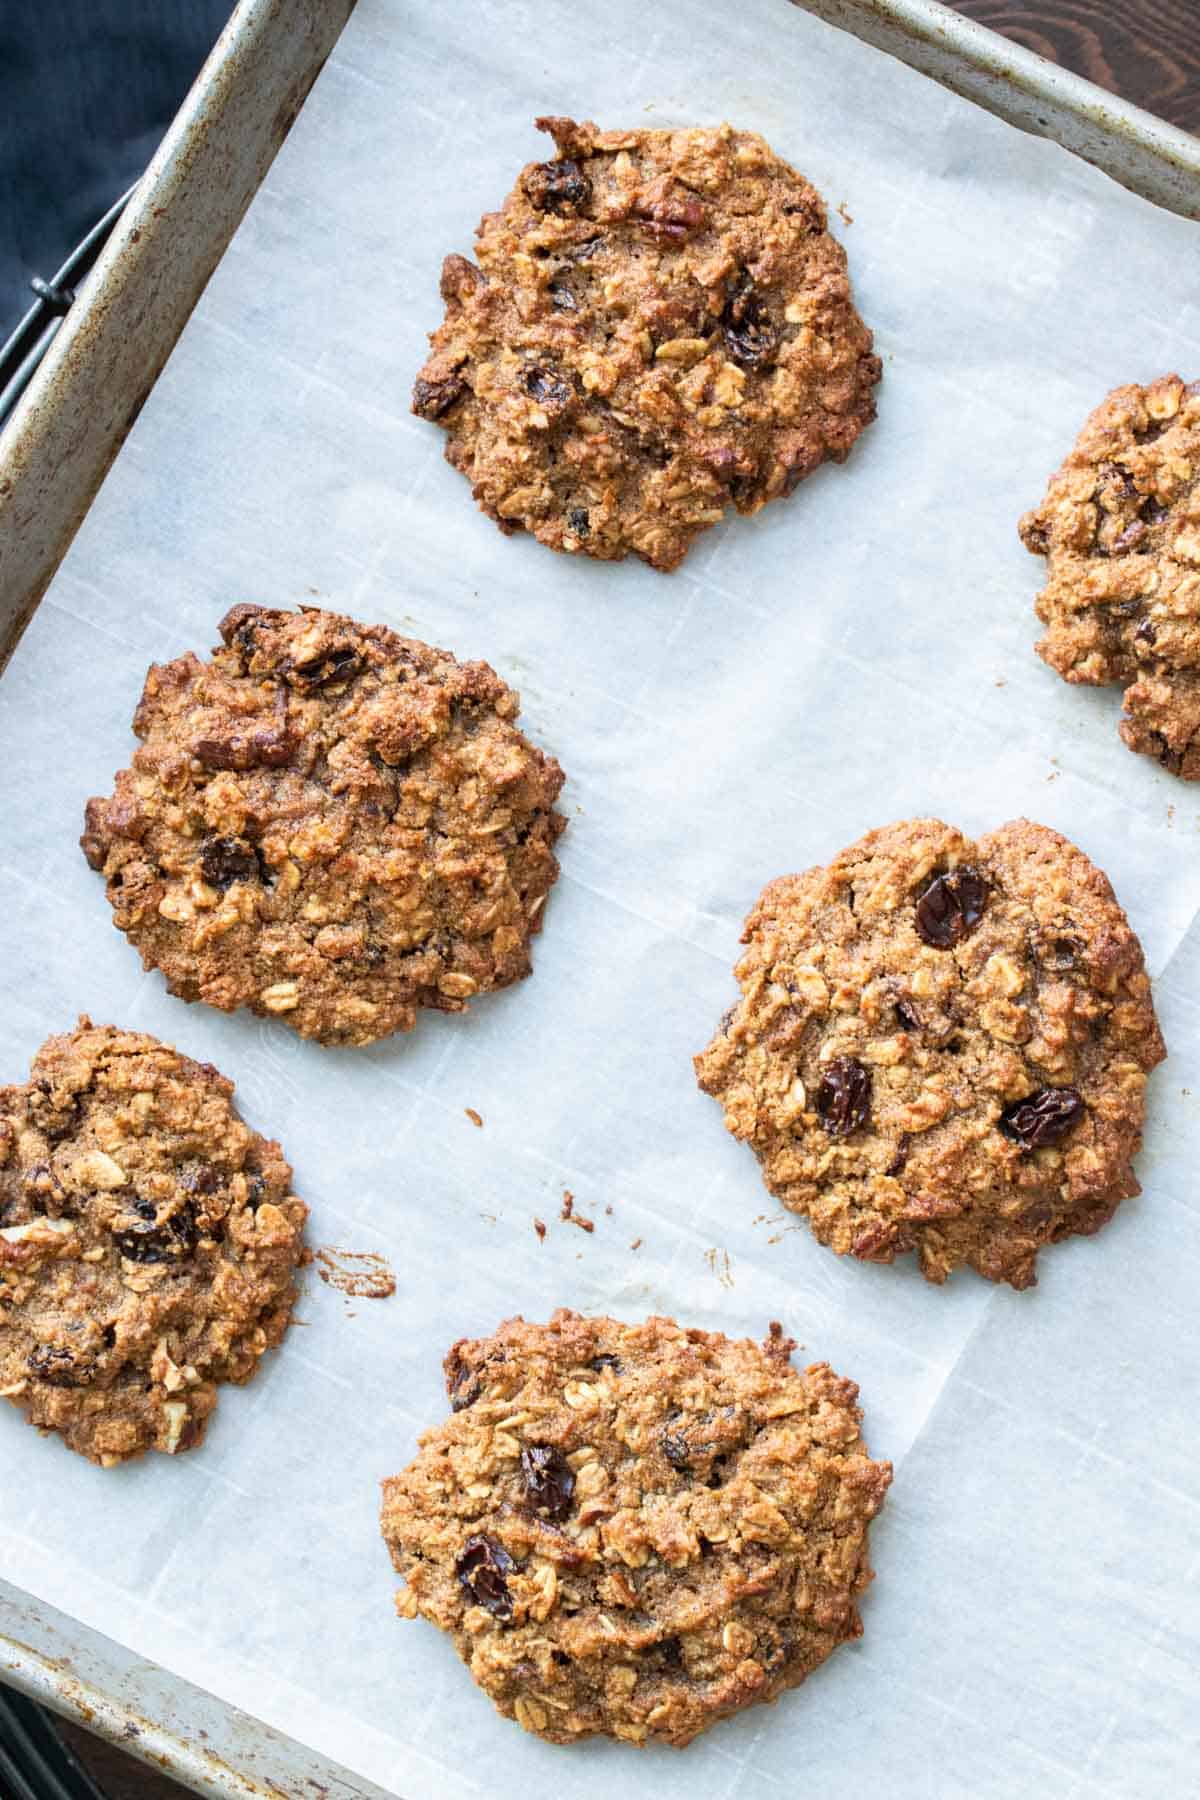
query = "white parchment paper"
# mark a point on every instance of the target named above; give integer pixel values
(858, 654)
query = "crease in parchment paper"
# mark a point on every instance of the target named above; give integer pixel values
(860, 653)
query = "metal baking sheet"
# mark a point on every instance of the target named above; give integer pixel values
(859, 654)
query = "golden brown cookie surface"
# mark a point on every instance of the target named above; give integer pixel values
(148, 1242)
(658, 326)
(329, 823)
(636, 1530)
(941, 1046)
(1120, 529)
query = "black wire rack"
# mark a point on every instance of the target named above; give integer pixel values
(35, 1762)
(24, 350)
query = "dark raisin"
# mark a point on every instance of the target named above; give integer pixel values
(433, 399)
(1146, 632)
(951, 907)
(844, 1096)
(669, 1653)
(606, 1362)
(1168, 756)
(336, 665)
(60, 1367)
(226, 860)
(43, 1190)
(55, 1115)
(1042, 1118)
(256, 1191)
(584, 252)
(1153, 430)
(1113, 472)
(908, 1015)
(546, 388)
(1153, 511)
(676, 1449)
(578, 521)
(481, 1567)
(562, 297)
(203, 1179)
(900, 1155)
(464, 1388)
(751, 337)
(549, 1482)
(557, 187)
(1130, 538)
(146, 1241)
(239, 627)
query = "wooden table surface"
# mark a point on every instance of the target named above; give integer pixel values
(1146, 50)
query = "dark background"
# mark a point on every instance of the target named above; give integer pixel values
(87, 88)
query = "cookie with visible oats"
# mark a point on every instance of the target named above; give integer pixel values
(658, 326)
(148, 1243)
(1120, 529)
(636, 1530)
(329, 823)
(941, 1046)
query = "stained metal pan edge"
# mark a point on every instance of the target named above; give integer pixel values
(58, 445)
(212, 1747)
(1143, 153)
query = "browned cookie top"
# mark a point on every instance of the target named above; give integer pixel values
(148, 1240)
(331, 823)
(659, 325)
(636, 1529)
(1120, 527)
(942, 1046)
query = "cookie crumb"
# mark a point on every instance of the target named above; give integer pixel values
(473, 1116)
(540, 1228)
(718, 1262)
(362, 1273)
(570, 1217)
(844, 213)
(636, 1244)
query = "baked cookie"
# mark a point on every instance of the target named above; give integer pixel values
(148, 1240)
(941, 1046)
(636, 1530)
(330, 823)
(1120, 527)
(659, 325)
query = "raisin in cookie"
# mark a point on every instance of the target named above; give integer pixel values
(659, 325)
(636, 1529)
(148, 1240)
(330, 823)
(1120, 527)
(941, 1046)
